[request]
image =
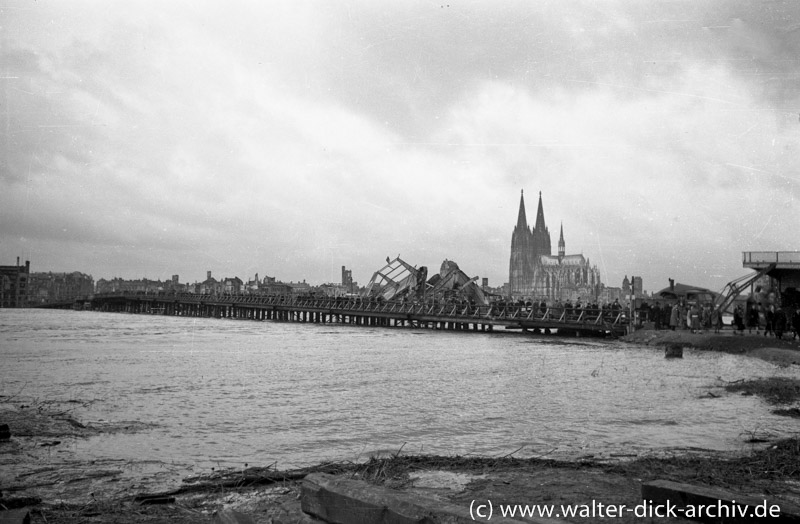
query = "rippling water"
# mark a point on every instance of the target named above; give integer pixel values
(227, 392)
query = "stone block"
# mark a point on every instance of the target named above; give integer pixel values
(15, 516)
(344, 501)
(673, 350)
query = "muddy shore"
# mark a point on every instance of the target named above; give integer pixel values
(783, 352)
(40, 474)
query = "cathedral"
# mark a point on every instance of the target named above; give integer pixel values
(535, 273)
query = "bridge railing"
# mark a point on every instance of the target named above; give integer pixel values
(771, 257)
(466, 311)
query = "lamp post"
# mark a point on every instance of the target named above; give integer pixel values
(631, 322)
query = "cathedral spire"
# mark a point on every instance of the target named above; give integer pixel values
(540, 216)
(561, 246)
(522, 220)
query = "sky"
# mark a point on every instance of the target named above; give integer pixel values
(149, 138)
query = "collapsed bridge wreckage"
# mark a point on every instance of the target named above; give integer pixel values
(399, 280)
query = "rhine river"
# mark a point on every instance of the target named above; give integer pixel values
(222, 393)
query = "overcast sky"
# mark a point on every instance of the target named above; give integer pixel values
(144, 139)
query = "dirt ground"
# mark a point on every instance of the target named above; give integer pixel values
(38, 471)
(784, 352)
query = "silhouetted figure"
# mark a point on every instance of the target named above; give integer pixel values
(779, 323)
(674, 317)
(769, 316)
(752, 318)
(738, 320)
(656, 314)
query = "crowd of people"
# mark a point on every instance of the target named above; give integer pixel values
(773, 320)
(558, 309)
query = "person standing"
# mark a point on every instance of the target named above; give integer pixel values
(769, 321)
(738, 320)
(779, 323)
(674, 316)
(656, 312)
(752, 318)
(716, 319)
(796, 322)
(694, 318)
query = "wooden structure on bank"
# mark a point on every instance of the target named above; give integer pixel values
(460, 316)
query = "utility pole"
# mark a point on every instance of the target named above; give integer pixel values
(632, 320)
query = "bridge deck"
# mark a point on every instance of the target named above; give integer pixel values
(362, 311)
(763, 259)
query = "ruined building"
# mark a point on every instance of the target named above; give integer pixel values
(14, 284)
(535, 273)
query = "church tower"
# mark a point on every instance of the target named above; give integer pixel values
(519, 279)
(535, 274)
(541, 235)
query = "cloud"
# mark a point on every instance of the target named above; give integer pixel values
(290, 139)
(640, 170)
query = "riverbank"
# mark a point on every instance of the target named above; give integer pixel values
(783, 352)
(40, 475)
(269, 496)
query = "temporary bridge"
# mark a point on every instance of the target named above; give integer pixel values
(398, 295)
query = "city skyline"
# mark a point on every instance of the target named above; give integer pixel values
(291, 138)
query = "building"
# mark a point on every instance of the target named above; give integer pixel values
(300, 288)
(251, 287)
(49, 287)
(347, 280)
(232, 286)
(632, 287)
(210, 286)
(14, 284)
(120, 285)
(270, 286)
(607, 295)
(174, 286)
(535, 273)
(331, 290)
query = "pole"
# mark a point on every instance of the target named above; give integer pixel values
(631, 320)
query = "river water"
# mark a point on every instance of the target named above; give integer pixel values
(223, 393)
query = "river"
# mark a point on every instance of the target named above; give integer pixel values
(224, 393)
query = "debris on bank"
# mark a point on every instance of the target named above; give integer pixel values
(775, 390)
